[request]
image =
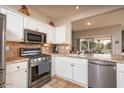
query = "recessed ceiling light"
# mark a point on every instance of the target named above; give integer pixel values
(77, 7)
(89, 23)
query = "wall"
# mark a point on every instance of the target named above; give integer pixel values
(114, 31)
(14, 48)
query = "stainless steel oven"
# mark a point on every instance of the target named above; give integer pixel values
(39, 78)
(39, 72)
(31, 36)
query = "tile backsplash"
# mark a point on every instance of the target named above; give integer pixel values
(12, 48)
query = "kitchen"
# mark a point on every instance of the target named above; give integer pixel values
(52, 54)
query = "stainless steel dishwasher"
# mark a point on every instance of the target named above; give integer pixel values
(101, 74)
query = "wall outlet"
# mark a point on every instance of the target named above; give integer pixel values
(7, 48)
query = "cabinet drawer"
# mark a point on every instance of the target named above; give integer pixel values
(73, 60)
(120, 67)
(16, 67)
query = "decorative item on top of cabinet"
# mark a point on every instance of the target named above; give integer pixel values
(52, 22)
(24, 10)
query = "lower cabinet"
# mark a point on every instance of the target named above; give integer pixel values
(73, 69)
(17, 75)
(80, 73)
(120, 75)
(17, 79)
(67, 70)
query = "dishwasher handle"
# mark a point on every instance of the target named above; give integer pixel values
(102, 63)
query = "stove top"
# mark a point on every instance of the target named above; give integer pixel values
(37, 56)
(32, 53)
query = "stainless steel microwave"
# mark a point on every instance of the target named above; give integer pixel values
(31, 36)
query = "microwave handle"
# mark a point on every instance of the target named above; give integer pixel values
(42, 38)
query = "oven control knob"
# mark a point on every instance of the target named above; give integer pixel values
(43, 58)
(35, 60)
(39, 59)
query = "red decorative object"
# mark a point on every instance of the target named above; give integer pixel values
(51, 23)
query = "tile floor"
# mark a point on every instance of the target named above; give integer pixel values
(57, 82)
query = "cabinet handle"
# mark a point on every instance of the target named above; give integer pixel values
(18, 67)
(114, 68)
(36, 29)
(26, 71)
(72, 65)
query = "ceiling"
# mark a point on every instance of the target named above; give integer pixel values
(81, 16)
(61, 11)
(103, 20)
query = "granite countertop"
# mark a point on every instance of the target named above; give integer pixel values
(101, 57)
(15, 60)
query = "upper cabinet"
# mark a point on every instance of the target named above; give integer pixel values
(63, 34)
(14, 26)
(32, 24)
(16, 23)
(51, 34)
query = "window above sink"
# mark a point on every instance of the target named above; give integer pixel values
(96, 45)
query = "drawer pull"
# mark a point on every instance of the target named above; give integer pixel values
(72, 65)
(18, 67)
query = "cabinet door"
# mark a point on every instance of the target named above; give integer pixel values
(17, 79)
(63, 68)
(53, 66)
(67, 70)
(61, 34)
(14, 27)
(120, 80)
(51, 35)
(32, 24)
(80, 73)
(59, 66)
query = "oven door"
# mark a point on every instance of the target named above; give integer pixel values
(40, 76)
(32, 36)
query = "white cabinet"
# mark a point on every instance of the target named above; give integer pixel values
(17, 79)
(59, 66)
(67, 70)
(63, 34)
(120, 75)
(80, 73)
(63, 68)
(32, 24)
(51, 34)
(73, 69)
(17, 75)
(53, 66)
(14, 26)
